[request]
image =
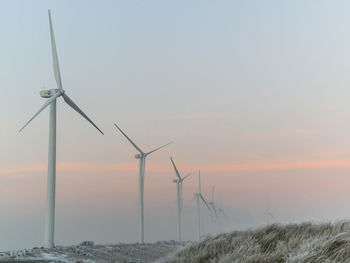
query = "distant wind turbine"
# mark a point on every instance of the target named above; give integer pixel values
(52, 95)
(179, 198)
(142, 157)
(268, 213)
(199, 198)
(215, 210)
(212, 210)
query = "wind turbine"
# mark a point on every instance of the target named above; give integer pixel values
(179, 197)
(215, 210)
(142, 157)
(199, 197)
(52, 95)
(212, 210)
(268, 213)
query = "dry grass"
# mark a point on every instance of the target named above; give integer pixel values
(295, 243)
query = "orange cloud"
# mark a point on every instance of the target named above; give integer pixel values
(279, 166)
(333, 154)
(91, 167)
(85, 167)
(31, 168)
(126, 167)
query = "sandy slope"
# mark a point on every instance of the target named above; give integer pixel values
(149, 252)
(297, 243)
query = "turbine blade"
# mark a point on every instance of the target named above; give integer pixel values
(194, 197)
(199, 181)
(77, 109)
(159, 148)
(213, 206)
(212, 194)
(205, 202)
(47, 103)
(270, 214)
(186, 176)
(222, 212)
(56, 67)
(176, 171)
(126, 136)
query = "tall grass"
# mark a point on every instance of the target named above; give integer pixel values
(294, 243)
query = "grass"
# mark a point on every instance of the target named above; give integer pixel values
(294, 243)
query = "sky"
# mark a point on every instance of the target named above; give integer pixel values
(253, 93)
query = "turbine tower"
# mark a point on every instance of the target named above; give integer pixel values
(199, 197)
(52, 95)
(179, 198)
(142, 157)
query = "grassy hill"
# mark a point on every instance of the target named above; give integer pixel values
(294, 243)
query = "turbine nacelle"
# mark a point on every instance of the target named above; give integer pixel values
(138, 156)
(48, 93)
(175, 181)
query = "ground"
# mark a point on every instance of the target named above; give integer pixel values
(292, 243)
(123, 253)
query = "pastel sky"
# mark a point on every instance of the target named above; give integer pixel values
(253, 93)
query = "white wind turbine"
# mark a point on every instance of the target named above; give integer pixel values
(179, 198)
(52, 95)
(268, 213)
(212, 210)
(142, 157)
(199, 197)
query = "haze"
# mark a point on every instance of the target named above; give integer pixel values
(253, 93)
